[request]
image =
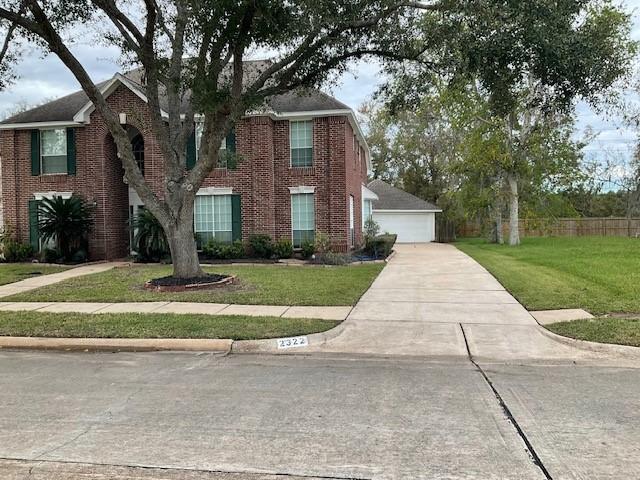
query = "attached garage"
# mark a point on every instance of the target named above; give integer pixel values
(399, 212)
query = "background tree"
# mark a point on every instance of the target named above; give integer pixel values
(528, 76)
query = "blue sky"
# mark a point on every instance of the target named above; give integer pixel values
(45, 78)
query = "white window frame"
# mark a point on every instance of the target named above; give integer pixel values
(42, 155)
(214, 193)
(313, 199)
(352, 220)
(291, 123)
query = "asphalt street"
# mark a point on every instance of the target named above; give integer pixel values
(189, 415)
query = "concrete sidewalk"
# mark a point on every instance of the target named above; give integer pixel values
(44, 280)
(338, 313)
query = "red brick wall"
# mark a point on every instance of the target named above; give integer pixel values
(262, 177)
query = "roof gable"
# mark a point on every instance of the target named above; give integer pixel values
(392, 198)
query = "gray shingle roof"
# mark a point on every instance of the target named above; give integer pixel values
(63, 109)
(392, 198)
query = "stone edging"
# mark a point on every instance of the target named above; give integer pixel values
(622, 350)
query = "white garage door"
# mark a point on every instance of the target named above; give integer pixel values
(418, 227)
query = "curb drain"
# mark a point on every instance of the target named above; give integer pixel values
(530, 449)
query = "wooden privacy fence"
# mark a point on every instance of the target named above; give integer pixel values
(565, 227)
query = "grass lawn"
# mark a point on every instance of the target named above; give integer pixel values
(14, 272)
(138, 325)
(623, 331)
(598, 274)
(256, 285)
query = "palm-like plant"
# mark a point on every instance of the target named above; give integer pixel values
(149, 238)
(67, 222)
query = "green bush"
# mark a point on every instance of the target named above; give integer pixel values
(67, 221)
(332, 258)
(283, 248)
(50, 255)
(150, 241)
(261, 246)
(17, 252)
(381, 245)
(308, 249)
(217, 250)
(322, 243)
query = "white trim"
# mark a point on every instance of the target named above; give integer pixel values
(406, 211)
(301, 190)
(85, 112)
(368, 194)
(215, 191)
(50, 195)
(39, 125)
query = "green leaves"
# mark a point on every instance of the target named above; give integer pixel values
(65, 221)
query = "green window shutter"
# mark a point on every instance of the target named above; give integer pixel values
(35, 152)
(231, 141)
(191, 151)
(71, 151)
(34, 231)
(236, 218)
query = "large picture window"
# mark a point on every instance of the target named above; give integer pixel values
(301, 139)
(303, 223)
(213, 218)
(53, 151)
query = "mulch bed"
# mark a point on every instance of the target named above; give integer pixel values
(172, 284)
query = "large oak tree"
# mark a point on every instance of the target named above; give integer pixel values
(197, 49)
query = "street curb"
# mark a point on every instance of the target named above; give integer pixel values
(607, 348)
(117, 344)
(270, 345)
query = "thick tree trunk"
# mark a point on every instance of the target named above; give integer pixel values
(499, 237)
(514, 232)
(184, 253)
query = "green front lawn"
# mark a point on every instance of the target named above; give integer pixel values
(598, 274)
(256, 285)
(622, 331)
(14, 272)
(137, 325)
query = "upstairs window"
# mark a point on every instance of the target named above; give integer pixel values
(301, 140)
(228, 144)
(53, 151)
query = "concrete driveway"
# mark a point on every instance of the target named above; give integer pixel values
(434, 300)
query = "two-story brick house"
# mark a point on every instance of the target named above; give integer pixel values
(300, 168)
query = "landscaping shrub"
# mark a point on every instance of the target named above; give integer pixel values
(283, 248)
(50, 255)
(261, 246)
(217, 250)
(17, 252)
(371, 231)
(322, 243)
(150, 241)
(382, 245)
(332, 258)
(67, 221)
(308, 249)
